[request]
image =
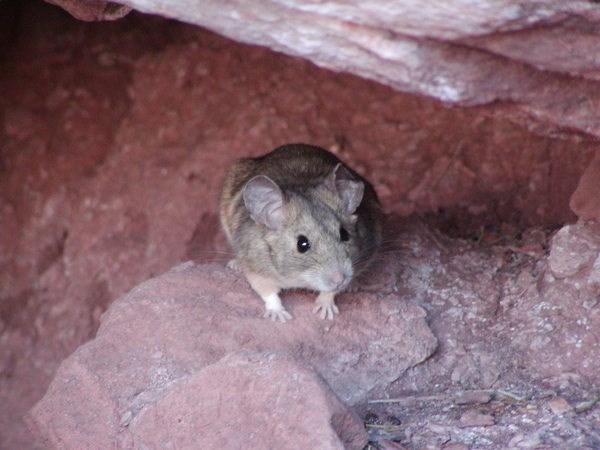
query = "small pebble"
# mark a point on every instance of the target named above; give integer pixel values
(559, 406)
(522, 441)
(470, 397)
(585, 405)
(438, 429)
(455, 446)
(126, 418)
(476, 419)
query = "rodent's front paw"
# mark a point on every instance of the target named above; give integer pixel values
(325, 306)
(277, 314)
(326, 311)
(234, 265)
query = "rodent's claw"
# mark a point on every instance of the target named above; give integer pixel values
(325, 305)
(277, 314)
(326, 311)
(234, 265)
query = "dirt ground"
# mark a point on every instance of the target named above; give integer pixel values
(115, 138)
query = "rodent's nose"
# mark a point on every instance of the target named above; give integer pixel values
(337, 278)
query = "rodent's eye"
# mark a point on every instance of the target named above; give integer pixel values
(303, 244)
(344, 236)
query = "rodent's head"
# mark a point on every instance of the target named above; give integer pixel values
(309, 232)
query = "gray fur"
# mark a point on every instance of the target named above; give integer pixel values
(297, 189)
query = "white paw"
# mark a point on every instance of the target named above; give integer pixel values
(277, 314)
(234, 265)
(326, 310)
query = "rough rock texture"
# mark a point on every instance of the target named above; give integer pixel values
(244, 400)
(114, 138)
(516, 366)
(93, 9)
(541, 55)
(162, 344)
(250, 400)
(526, 304)
(567, 306)
(585, 201)
(517, 363)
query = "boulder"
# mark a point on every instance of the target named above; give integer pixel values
(557, 324)
(244, 400)
(574, 248)
(250, 400)
(189, 351)
(585, 201)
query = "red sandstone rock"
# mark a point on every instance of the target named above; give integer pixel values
(585, 201)
(559, 405)
(249, 400)
(171, 329)
(159, 344)
(93, 9)
(555, 324)
(244, 400)
(574, 249)
(115, 137)
(537, 55)
(504, 323)
(474, 418)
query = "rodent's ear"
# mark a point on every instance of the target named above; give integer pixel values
(265, 201)
(350, 191)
